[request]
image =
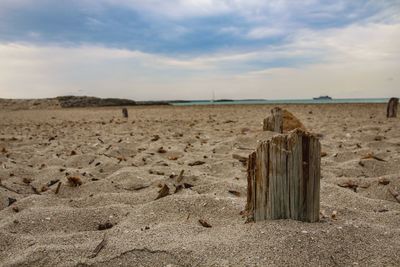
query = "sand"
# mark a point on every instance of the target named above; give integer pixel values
(121, 169)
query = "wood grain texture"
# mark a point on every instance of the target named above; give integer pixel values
(274, 122)
(283, 178)
(282, 121)
(391, 110)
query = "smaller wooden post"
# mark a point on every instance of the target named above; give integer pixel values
(274, 122)
(283, 178)
(391, 111)
(125, 112)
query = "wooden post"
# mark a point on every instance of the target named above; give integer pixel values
(283, 178)
(274, 122)
(391, 111)
(125, 112)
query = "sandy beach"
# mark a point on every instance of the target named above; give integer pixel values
(111, 170)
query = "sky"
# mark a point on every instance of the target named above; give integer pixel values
(190, 49)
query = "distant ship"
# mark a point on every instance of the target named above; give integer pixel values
(325, 97)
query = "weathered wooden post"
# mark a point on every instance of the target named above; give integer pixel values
(125, 112)
(281, 121)
(274, 122)
(391, 111)
(283, 178)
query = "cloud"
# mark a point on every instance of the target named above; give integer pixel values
(356, 61)
(357, 43)
(265, 32)
(181, 26)
(187, 48)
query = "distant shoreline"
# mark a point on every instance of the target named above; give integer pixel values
(85, 101)
(286, 101)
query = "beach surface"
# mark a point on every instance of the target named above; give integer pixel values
(110, 209)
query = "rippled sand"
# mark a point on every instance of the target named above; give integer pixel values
(122, 163)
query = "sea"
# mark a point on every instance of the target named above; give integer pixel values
(284, 101)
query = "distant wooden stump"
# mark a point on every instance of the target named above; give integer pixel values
(283, 178)
(281, 121)
(125, 112)
(274, 122)
(391, 111)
